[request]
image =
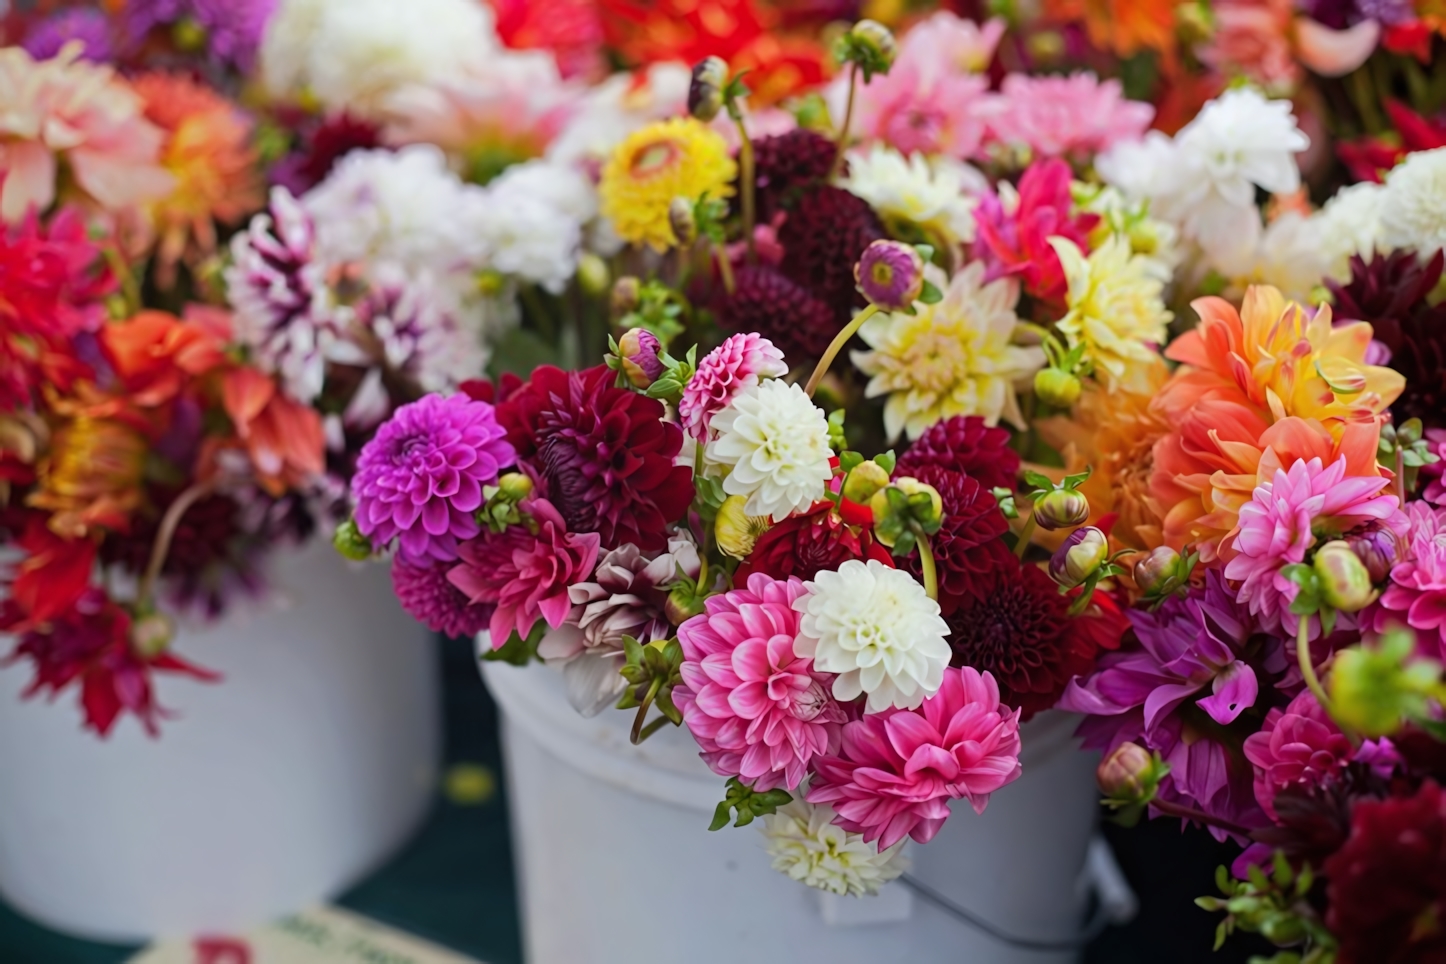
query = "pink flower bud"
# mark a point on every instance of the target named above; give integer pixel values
(891, 275)
(1127, 773)
(638, 351)
(1079, 557)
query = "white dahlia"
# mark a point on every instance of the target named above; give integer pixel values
(928, 194)
(1413, 208)
(773, 441)
(808, 846)
(878, 630)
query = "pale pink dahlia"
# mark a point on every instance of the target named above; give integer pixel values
(526, 575)
(1285, 519)
(1435, 473)
(1075, 115)
(759, 711)
(419, 480)
(431, 599)
(1417, 594)
(898, 769)
(739, 363)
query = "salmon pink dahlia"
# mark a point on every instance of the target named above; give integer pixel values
(898, 769)
(760, 711)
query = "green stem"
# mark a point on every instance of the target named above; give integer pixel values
(1025, 535)
(745, 162)
(1307, 665)
(836, 346)
(541, 316)
(636, 736)
(926, 562)
(843, 134)
(1363, 93)
(725, 268)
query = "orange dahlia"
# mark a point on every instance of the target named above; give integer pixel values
(1257, 389)
(1123, 26)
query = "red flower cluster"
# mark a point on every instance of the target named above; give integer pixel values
(806, 544)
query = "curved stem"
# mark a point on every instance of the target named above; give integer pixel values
(746, 175)
(1025, 534)
(725, 268)
(636, 736)
(162, 546)
(1190, 813)
(836, 346)
(926, 562)
(843, 134)
(1307, 665)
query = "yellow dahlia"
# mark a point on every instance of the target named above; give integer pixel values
(951, 358)
(679, 157)
(92, 476)
(1115, 311)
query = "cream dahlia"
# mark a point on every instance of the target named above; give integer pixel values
(773, 441)
(808, 846)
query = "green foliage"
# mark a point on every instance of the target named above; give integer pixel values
(1375, 690)
(518, 651)
(1275, 906)
(747, 804)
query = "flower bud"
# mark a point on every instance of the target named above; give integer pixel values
(871, 46)
(1158, 572)
(705, 93)
(682, 221)
(188, 35)
(1061, 508)
(515, 486)
(1344, 581)
(891, 275)
(592, 274)
(1127, 773)
(350, 542)
(1378, 549)
(151, 634)
(866, 479)
(737, 531)
(683, 603)
(1057, 387)
(638, 351)
(890, 525)
(627, 292)
(1079, 557)
(935, 513)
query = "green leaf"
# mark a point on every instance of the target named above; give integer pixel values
(930, 295)
(722, 814)
(518, 651)
(1037, 480)
(887, 461)
(848, 461)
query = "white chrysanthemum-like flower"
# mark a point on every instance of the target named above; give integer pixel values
(1413, 208)
(1291, 255)
(878, 630)
(534, 227)
(932, 194)
(421, 334)
(808, 846)
(774, 442)
(951, 358)
(1150, 238)
(1349, 224)
(352, 54)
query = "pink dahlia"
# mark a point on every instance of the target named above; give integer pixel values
(525, 575)
(419, 480)
(919, 107)
(429, 596)
(1014, 228)
(1078, 115)
(1435, 473)
(898, 769)
(1284, 520)
(759, 711)
(1417, 593)
(739, 363)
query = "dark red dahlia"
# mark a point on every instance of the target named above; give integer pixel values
(1387, 884)
(604, 455)
(320, 147)
(804, 545)
(964, 443)
(767, 303)
(202, 538)
(968, 543)
(785, 163)
(823, 236)
(1015, 624)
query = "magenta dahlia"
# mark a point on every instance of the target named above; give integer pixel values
(1300, 746)
(741, 361)
(604, 455)
(1417, 593)
(759, 711)
(430, 597)
(787, 314)
(965, 443)
(897, 770)
(419, 480)
(823, 237)
(1014, 240)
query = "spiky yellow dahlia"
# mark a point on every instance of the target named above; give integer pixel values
(679, 157)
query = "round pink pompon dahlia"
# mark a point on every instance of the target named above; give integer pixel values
(898, 769)
(725, 371)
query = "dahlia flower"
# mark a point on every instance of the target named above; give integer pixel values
(352, 54)
(81, 114)
(1116, 311)
(760, 711)
(1417, 593)
(675, 158)
(283, 439)
(524, 573)
(948, 42)
(92, 476)
(773, 442)
(784, 163)
(1350, 226)
(1287, 516)
(426, 593)
(232, 28)
(890, 275)
(766, 303)
(807, 845)
(47, 38)
(419, 480)
(967, 444)
(809, 542)
(1014, 228)
(1413, 212)
(875, 628)
(825, 233)
(534, 224)
(603, 455)
(969, 541)
(955, 357)
(741, 362)
(897, 769)
(416, 332)
(915, 193)
(1078, 115)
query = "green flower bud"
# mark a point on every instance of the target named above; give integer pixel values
(1079, 557)
(592, 274)
(682, 221)
(515, 486)
(1128, 774)
(1061, 508)
(705, 93)
(870, 45)
(151, 634)
(350, 542)
(1344, 580)
(683, 603)
(1057, 387)
(891, 522)
(864, 482)
(1158, 572)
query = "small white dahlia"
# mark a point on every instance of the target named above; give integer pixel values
(878, 630)
(774, 443)
(808, 846)
(932, 194)
(1413, 207)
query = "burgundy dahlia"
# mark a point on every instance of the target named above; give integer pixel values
(319, 146)
(604, 455)
(419, 480)
(964, 443)
(1387, 884)
(1015, 624)
(804, 545)
(786, 163)
(969, 542)
(787, 314)
(823, 237)
(426, 593)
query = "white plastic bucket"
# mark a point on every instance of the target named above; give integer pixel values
(616, 862)
(307, 766)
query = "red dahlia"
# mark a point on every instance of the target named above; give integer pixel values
(965, 444)
(767, 303)
(604, 455)
(823, 236)
(1387, 884)
(968, 543)
(1015, 624)
(785, 163)
(804, 545)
